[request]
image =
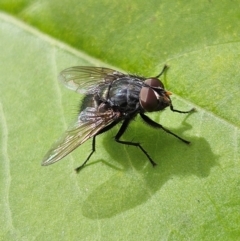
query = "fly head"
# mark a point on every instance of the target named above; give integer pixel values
(153, 96)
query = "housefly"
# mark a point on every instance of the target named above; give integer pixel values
(111, 97)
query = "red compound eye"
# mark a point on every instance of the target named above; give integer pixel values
(154, 82)
(148, 99)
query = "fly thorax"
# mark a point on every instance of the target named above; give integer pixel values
(123, 95)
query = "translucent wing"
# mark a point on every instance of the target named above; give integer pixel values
(89, 123)
(86, 79)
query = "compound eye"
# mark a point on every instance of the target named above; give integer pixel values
(148, 99)
(154, 82)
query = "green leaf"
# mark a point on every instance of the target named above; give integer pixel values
(193, 192)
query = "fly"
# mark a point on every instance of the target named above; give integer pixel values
(111, 97)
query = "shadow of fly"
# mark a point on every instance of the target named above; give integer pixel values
(111, 97)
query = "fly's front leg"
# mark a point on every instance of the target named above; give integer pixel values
(163, 70)
(156, 125)
(179, 111)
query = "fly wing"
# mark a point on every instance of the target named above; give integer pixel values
(87, 79)
(88, 124)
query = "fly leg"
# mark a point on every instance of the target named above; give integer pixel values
(94, 144)
(93, 150)
(156, 125)
(163, 70)
(179, 111)
(121, 132)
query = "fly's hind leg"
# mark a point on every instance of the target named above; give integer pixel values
(93, 150)
(94, 144)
